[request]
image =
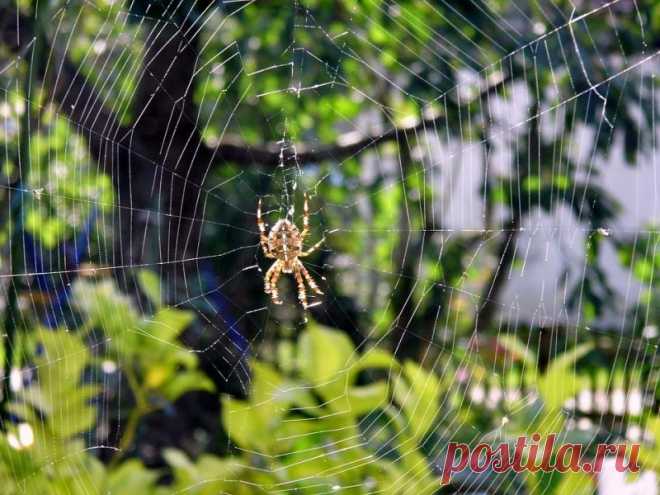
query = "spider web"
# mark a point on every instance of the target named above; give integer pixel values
(540, 205)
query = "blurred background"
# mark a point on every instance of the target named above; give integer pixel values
(484, 176)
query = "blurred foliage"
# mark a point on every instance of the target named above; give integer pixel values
(59, 384)
(314, 429)
(321, 417)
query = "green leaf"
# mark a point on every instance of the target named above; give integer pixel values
(207, 476)
(185, 381)
(131, 477)
(183, 467)
(21, 465)
(365, 399)
(518, 350)
(246, 427)
(373, 359)
(575, 484)
(418, 396)
(649, 454)
(73, 415)
(58, 394)
(324, 358)
(168, 323)
(532, 183)
(559, 382)
(150, 285)
(107, 308)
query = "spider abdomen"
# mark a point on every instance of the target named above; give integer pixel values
(285, 243)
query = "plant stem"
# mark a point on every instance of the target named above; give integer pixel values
(141, 408)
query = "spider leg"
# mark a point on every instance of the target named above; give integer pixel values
(272, 276)
(263, 238)
(305, 230)
(308, 277)
(302, 293)
(268, 276)
(312, 249)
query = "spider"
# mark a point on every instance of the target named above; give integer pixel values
(284, 243)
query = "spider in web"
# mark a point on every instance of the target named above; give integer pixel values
(284, 243)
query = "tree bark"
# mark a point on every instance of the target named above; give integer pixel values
(506, 250)
(171, 178)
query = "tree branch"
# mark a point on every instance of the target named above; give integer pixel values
(347, 146)
(271, 155)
